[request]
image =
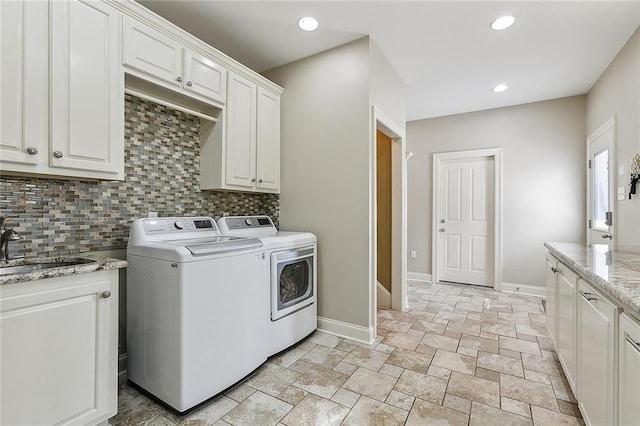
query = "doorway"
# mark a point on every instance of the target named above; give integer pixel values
(600, 184)
(384, 214)
(466, 217)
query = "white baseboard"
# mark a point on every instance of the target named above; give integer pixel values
(347, 330)
(418, 276)
(529, 290)
(384, 296)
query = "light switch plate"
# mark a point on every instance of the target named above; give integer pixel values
(621, 193)
(621, 170)
(412, 254)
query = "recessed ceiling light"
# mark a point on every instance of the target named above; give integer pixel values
(500, 88)
(308, 23)
(503, 23)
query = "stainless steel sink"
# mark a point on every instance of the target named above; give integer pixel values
(35, 265)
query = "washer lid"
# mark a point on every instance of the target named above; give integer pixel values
(216, 245)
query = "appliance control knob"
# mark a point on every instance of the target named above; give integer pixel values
(248, 222)
(178, 224)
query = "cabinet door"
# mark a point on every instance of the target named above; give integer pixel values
(566, 333)
(268, 141)
(204, 76)
(57, 358)
(152, 52)
(629, 372)
(87, 105)
(240, 148)
(596, 356)
(551, 296)
(23, 81)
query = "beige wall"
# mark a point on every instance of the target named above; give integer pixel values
(387, 91)
(325, 171)
(543, 178)
(383, 207)
(617, 94)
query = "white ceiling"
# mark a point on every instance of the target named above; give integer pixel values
(444, 51)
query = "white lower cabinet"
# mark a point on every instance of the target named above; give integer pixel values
(566, 332)
(551, 307)
(59, 350)
(629, 372)
(597, 352)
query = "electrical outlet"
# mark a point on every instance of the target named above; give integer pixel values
(152, 214)
(621, 193)
(413, 254)
(621, 170)
(225, 214)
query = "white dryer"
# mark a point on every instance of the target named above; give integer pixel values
(195, 309)
(292, 279)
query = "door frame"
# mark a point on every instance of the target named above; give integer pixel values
(438, 159)
(609, 124)
(380, 121)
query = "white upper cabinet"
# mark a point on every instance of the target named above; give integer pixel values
(62, 105)
(268, 141)
(86, 88)
(161, 59)
(241, 133)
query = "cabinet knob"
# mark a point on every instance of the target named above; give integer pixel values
(441, 230)
(554, 269)
(58, 154)
(32, 150)
(189, 83)
(179, 79)
(253, 179)
(106, 294)
(259, 180)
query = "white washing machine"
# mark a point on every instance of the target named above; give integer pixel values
(195, 309)
(292, 279)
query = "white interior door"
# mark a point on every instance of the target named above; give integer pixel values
(600, 190)
(465, 216)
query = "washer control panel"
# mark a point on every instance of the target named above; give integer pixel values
(169, 225)
(235, 223)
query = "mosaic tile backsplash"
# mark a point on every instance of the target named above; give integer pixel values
(63, 217)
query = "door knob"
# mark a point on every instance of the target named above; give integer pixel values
(441, 230)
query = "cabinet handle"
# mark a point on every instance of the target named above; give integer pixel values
(32, 150)
(441, 230)
(58, 154)
(588, 296)
(554, 270)
(106, 294)
(179, 79)
(633, 344)
(253, 179)
(189, 83)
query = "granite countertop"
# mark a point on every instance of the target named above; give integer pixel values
(83, 265)
(615, 272)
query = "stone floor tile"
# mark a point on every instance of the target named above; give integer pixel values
(474, 388)
(381, 347)
(345, 397)
(300, 366)
(570, 408)
(540, 364)
(519, 345)
(527, 337)
(488, 317)
(500, 364)
(397, 326)
(305, 345)
(487, 335)
(533, 393)
(459, 404)
(439, 372)
(463, 328)
(370, 383)
(425, 387)
(391, 370)
(455, 362)
(516, 407)
(325, 339)
(137, 410)
(540, 331)
(469, 307)
(240, 392)
(313, 410)
(537, 377)
(438, 308)
(451, 316)
(259, 408)
(368, 411)
(440, 342)
(483, 415)
(427, 413)
(417, 306)
(207, 415)
(345, 346)
(453, 334)
(479, 343)
(421, 315)
(433, 298)
(285, 359)
(494, 376)
(511, 354)
(426, 349)
(345, 368)
(292, 395)
(410, 359)
(272, 379)
(401, 340)
(467, 351)
(429, 327)
(321, 381)
(544, 417)
(546, 344)
(373, 360)
(517, 317)
(562, 389)
(324, 356)
(400, 400)
(500, 329)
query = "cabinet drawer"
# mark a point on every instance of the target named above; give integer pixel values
(629, 372)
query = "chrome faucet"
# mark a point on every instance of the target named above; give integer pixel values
(7, 236)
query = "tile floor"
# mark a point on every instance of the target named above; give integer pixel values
(461, 356)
